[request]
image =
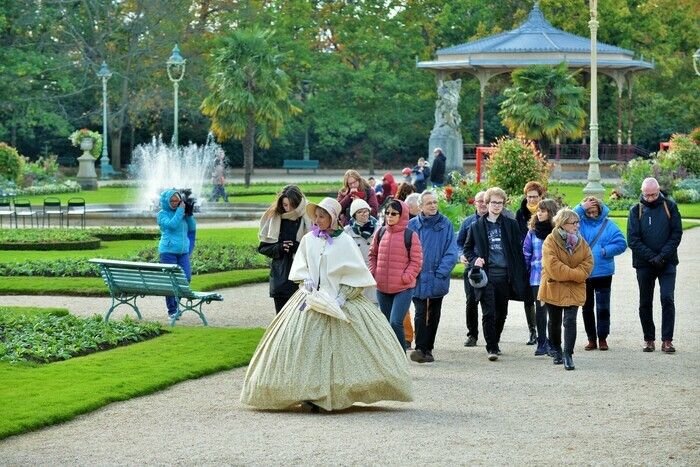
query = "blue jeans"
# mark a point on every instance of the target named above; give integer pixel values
(394, 306)
(646, 277)
(218, 191)
(183, 261)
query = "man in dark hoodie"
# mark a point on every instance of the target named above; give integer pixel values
(653, 234)
(437, 173)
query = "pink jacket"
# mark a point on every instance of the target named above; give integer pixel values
(389, 262)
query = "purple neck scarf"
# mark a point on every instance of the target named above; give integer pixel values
(321, 234)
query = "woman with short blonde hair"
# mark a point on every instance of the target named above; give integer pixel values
(566, 264)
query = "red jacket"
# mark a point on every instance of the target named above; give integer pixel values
(389, 187)
(389, 262)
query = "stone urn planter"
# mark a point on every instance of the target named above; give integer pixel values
(86, 144)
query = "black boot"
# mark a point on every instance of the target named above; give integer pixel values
(568, 362)
(557, 360)
(531, 323)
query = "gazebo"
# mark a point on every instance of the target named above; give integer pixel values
(537, 42)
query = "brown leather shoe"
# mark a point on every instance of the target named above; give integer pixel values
(591, 345)
(602, 344)
(667, 347)
(649, 346)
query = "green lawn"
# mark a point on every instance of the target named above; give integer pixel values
(33, 396)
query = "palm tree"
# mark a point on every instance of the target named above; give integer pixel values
(545, 103)
(250, 95)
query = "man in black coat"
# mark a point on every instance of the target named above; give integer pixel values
(494, 244)
(437, 172)
(654, 232)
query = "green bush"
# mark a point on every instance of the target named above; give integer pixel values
(687, 152)
(11, 164)
(47, 239)
(125, 233)
(621, 204)
(633, 174)
(689, 184)
(45, 338)
(686, 196)
(514, 163)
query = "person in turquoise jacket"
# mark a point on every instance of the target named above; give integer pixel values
(177, 237)
(606, 241)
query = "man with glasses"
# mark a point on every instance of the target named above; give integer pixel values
(653, 233)
(494, 244)
(437, 237)
(472, 309)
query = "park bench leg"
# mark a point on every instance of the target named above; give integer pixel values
(197, 308)
(123, 300)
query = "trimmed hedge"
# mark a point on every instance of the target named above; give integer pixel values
(85, 245)
(108, 234)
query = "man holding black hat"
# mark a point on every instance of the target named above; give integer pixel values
(494, 243)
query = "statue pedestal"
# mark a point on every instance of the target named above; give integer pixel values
(452, 145)
(87, 177)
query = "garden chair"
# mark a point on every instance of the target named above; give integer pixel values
(52, 206)
(75, 207)
(6, 209)
(23, 209)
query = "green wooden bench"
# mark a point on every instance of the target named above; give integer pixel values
(299, 164)
(127, 280)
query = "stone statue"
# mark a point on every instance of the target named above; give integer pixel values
(446, 133)
(446, 112)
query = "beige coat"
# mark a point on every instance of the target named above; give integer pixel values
(564, 275)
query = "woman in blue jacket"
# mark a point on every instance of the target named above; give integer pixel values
(176, 237)
(606, 241)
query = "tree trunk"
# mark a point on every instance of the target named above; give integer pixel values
(248, 148)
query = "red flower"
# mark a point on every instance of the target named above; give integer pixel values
(448, 192)
(471, 201)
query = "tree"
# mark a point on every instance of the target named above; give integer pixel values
(250, 94)
(545, 103)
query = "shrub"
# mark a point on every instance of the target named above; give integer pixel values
(125, 233)
(633, 174)
(514, 163)
(621, 204)
(695, 135)
(67, 186)
(689, 183)
(11, 164)
(43, 170)
(456, 199)
(684, 149)
(686, 196)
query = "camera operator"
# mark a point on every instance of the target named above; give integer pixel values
(177, 237)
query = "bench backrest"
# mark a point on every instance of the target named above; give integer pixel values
(144, 278)
(300, 164)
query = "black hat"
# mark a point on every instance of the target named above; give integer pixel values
(477, 277)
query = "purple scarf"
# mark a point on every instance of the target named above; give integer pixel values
(321, 234)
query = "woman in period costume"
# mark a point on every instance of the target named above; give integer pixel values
(329, 347)
(281, 229)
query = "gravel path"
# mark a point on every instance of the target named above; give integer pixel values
(619, 407)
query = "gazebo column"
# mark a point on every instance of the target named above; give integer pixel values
(483, 77)
(620, 78)
(630, 115)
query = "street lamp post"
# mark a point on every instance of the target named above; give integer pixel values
(176, 71)
(305, 86)
(594, 187)
(696, 62)
(106, 170)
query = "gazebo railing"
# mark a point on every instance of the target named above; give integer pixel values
(606, 152)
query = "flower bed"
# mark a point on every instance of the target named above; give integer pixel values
(49, 337)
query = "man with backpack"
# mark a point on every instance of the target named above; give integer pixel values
(654, 232)
(437, 238)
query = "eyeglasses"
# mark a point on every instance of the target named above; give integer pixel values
(496, 203)
(533, 197)
(650, 195)
(573, 223)
(391, 213)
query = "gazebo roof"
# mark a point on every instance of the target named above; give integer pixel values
(535, 42)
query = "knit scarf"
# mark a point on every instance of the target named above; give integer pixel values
(543, 228)
(365, 230)
(570, 240)
(532, 208)
(271, 222)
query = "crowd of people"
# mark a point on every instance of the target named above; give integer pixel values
(345, 272)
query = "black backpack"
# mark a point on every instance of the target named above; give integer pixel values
(407, 238)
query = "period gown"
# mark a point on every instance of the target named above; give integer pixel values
(305, 355)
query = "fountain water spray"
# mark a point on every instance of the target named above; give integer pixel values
(158, 166)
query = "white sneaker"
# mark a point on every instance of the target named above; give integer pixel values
(493, 356)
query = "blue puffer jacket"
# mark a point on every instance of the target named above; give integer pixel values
(440, 255)
(610, 244)
(174, 226)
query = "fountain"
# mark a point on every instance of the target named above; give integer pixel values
(158, 166)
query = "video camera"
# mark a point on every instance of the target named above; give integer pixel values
(189, 199)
